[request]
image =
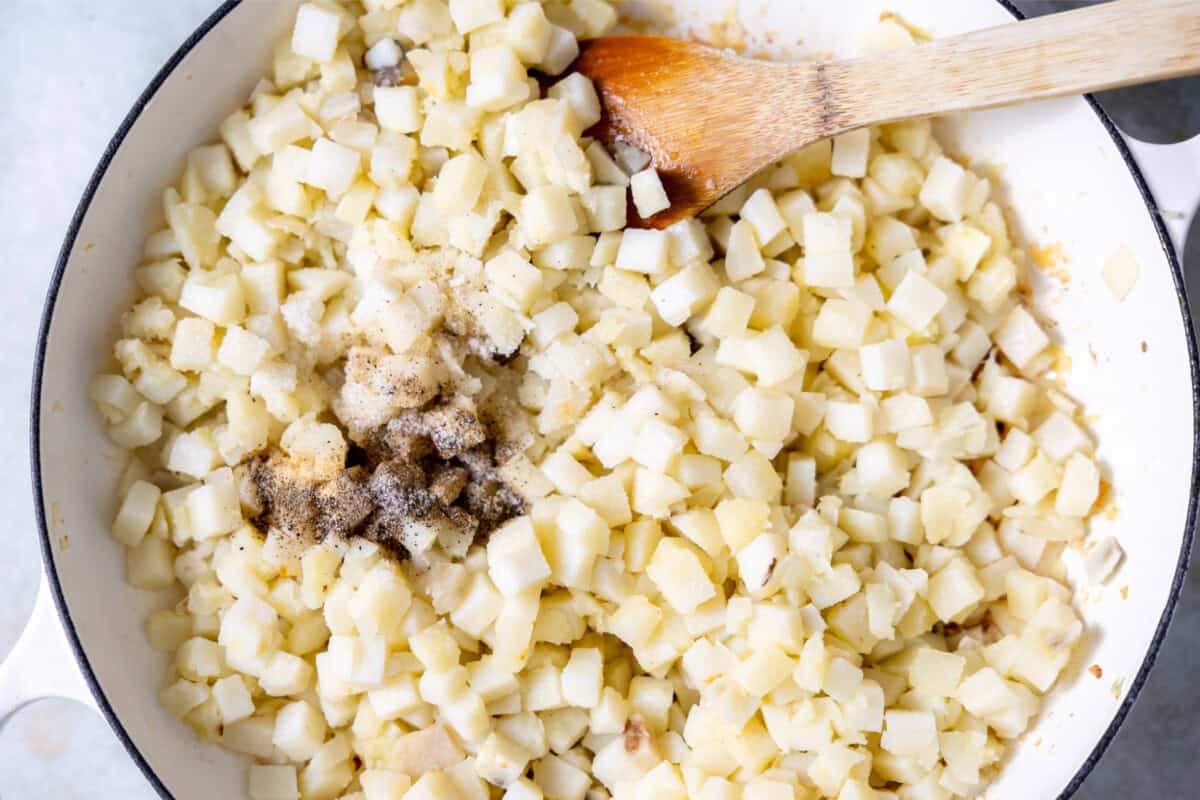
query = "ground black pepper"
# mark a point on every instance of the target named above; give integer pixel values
(427, 477)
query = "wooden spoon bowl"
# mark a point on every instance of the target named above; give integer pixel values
(709, 120)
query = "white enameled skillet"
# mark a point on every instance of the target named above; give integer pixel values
(1066, 175)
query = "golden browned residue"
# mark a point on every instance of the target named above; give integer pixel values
(729, 33)
(958, 158)
(991, 169)
(1092, 354)
(918, 33)
(64, 543)
(1060, 366)
(1062, 361)
(1105, 504)
(1050, 259)
(56, 515)
(1097, 673)
(89, 247)
(1124, 592)
(1116, 688)
(57, 408)
(1145, 347)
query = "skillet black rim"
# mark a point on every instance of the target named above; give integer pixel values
(85, 204)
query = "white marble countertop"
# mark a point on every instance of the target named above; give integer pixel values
(74, 69)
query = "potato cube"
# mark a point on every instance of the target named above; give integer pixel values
(644, 251)
(841, 324)
(547, 215)
(683, 294)
(218, 298)
(470, 15)
(560, 53)
(743, 258)
(315, 35)
(909, 733)
(1035, 480)
(1079, 488)
(192, 345)
(850, 151)
(916, 301)
(501, 761)
(828, 260)
(649, 196)
(459, 183)
(384, 784)
(559, 778)
(679, 575)
(955, 590)
(966, 245)
(436, 648)
(1020, 338)
(515, 560)
(232, 698)
(241, 351)
(583, 677)
(850, 422)
(944, 192)
(729, 313)
(936, 672)
(214, 509)
(881, 469)
(498, 79)
(654, 493)
(136, 513)
(886, 365)
(580, 94)
(299, 730)
(398, 108)
(763, 414)
(993, 282)
(515, 278)
(332, 167)
(1058, 436)
(523, 788)
(657, 445)
(605, 206)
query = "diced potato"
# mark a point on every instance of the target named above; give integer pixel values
(649, 196)
(299, 730)
(850, 151)
(679, 575)
(1020, 338)
(316, 33)
(726, 501)
(1079, 488)
(945, 189)
(497, 79)
(916, 301)
(136, 513)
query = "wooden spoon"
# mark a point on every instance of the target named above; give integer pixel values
(710, 120)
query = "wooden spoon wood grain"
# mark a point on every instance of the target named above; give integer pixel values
(710, 120)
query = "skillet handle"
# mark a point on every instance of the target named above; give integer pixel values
(43, 663)
(1173, 172)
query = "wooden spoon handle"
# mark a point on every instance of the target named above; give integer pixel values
(1090, 49)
